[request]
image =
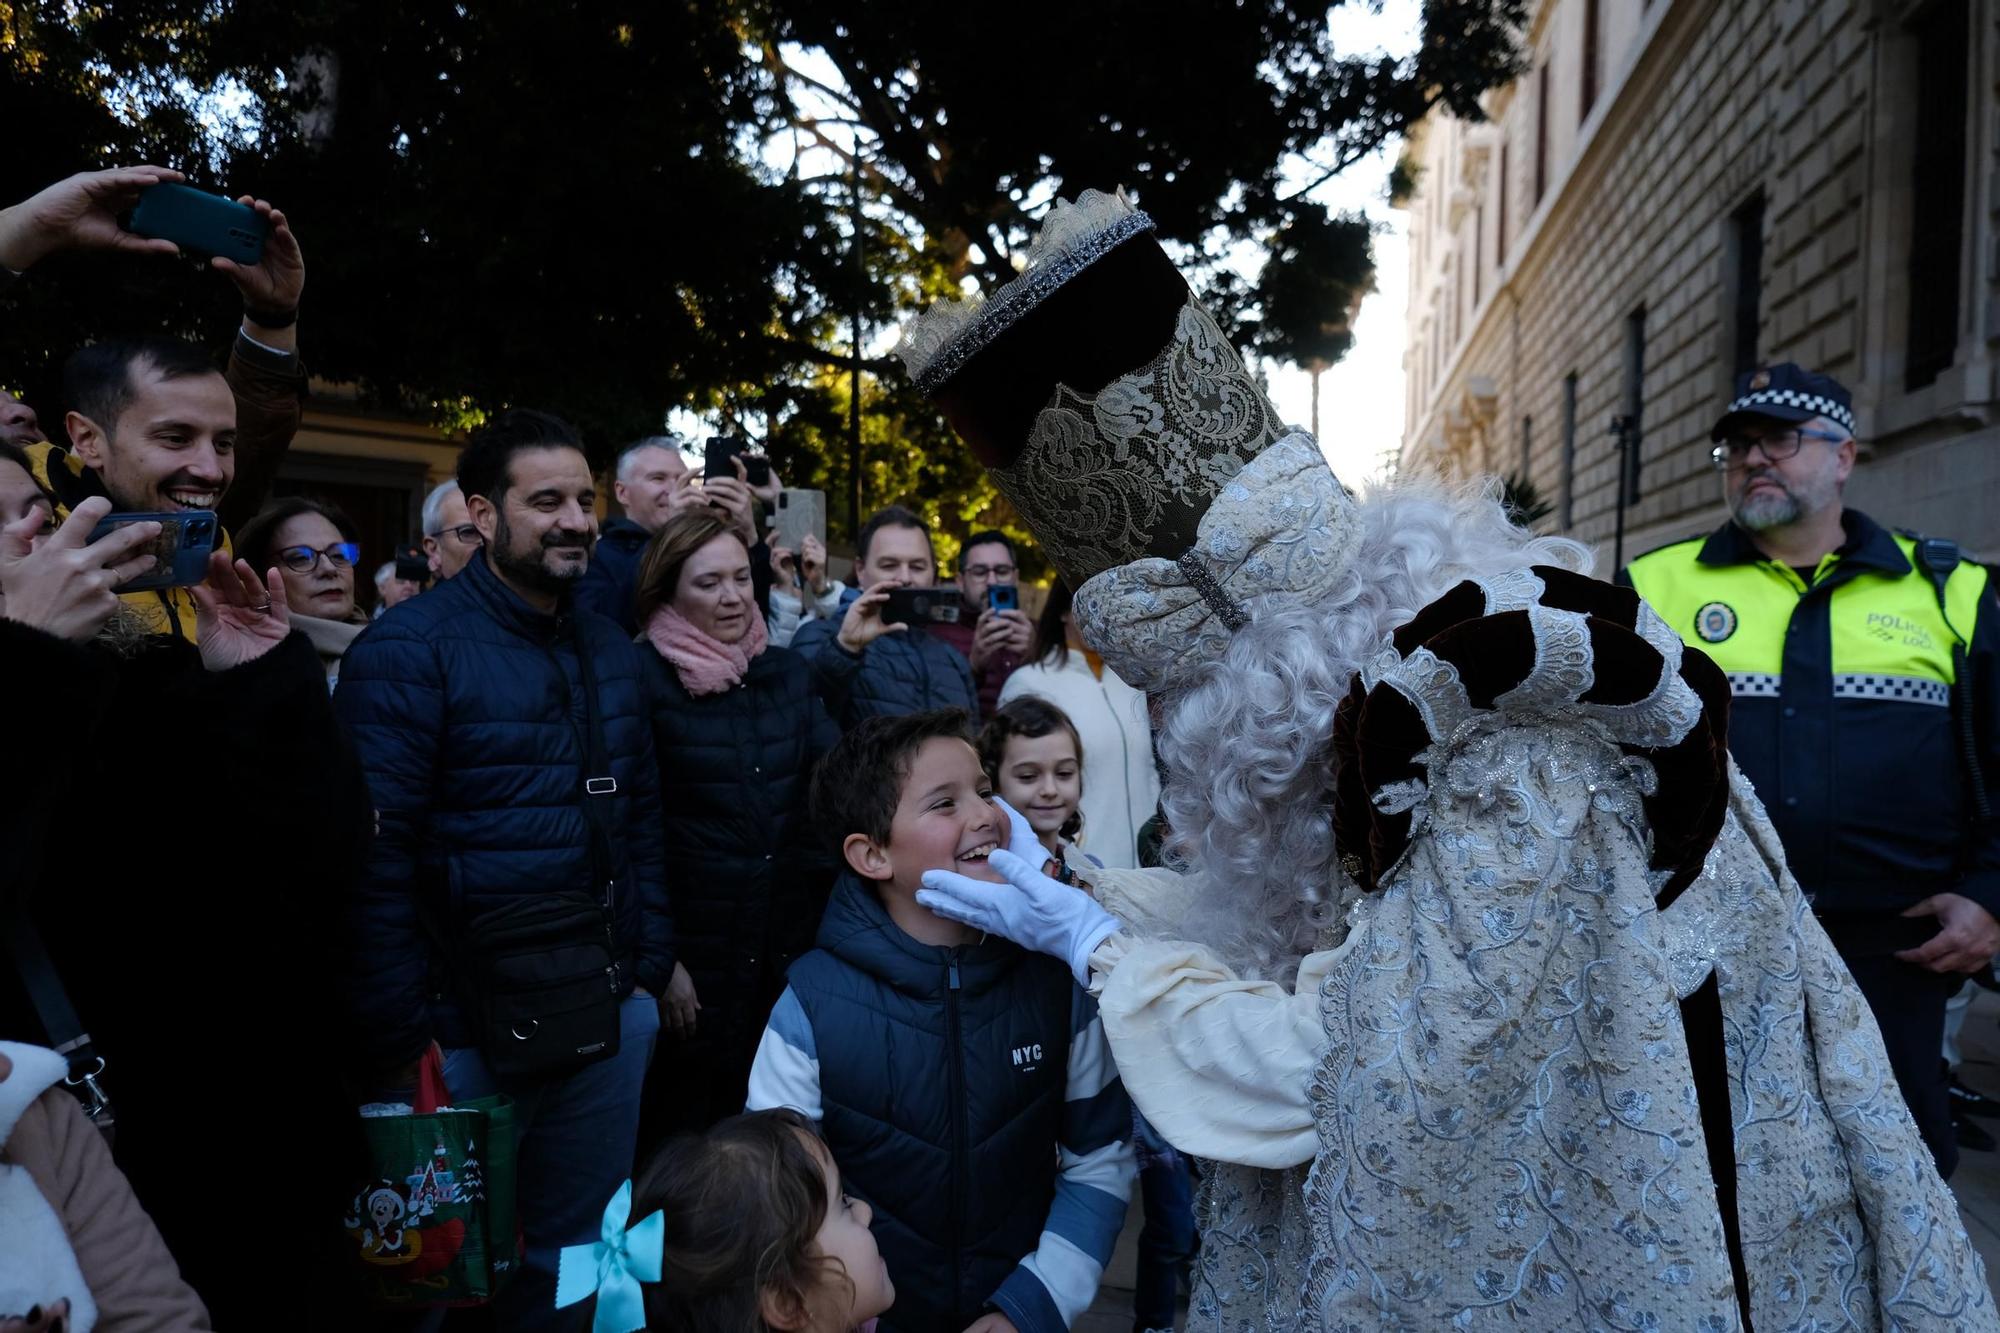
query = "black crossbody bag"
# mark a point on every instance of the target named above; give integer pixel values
(541, 976)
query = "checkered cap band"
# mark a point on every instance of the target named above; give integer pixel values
(1810, 402)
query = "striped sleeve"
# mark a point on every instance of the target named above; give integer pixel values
(786, 1071)
(1057, 1282)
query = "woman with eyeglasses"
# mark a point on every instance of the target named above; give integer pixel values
(312, 544)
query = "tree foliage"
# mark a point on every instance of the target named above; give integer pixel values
(585, 208)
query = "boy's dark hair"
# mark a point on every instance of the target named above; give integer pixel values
(742, 1205)
(97, 380)
(990, 537)
(490, 448)
(892, 516)
(1030, 717)
(255, 543)
(856, 787)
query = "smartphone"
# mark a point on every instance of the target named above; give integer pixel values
(1003, 597)
(204, 223)
(800, 514)
(180, 552)
(718, 451)
(922, 606)
(413, 568)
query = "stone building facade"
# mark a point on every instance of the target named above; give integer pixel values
(1676, 189)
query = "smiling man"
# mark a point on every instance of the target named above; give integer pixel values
(1864, 666)
(153, 424)
(508, 746)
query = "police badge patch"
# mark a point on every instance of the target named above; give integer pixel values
(1715, 622)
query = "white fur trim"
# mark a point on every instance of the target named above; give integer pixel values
(37, 1264)
(36, 1070)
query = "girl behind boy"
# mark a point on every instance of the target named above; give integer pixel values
(755, 1234)
(1032, 754)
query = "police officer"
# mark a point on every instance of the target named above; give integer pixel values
(1863, 668)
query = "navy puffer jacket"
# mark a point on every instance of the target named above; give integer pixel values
(906, 672)
(467, 707)
(927, 1105)
(750, 877)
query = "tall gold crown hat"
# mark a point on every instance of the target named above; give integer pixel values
(1109, 407)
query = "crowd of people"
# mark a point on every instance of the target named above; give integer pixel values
(844, 951)
(554, 752)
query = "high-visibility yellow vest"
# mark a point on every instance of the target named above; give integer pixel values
(1841, 711)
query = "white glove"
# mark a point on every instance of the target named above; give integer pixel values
(1031, 909)
(1022, 840)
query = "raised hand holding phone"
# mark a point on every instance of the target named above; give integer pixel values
(863, 623)
(80, 212)
(64, 585)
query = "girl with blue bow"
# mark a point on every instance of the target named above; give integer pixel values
(742, 1228)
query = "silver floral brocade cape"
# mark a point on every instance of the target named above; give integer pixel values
(1509, 1134)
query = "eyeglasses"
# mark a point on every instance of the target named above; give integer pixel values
(1777, 446)
(989, 571)
(299, 559)
(465, 533)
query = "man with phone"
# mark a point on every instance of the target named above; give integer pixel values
(880, 658)
(650, 481)
(991, 631)
(152, 424)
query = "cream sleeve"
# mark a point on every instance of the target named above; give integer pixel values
(1218, 1064)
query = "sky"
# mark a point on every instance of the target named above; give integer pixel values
(1361, 397)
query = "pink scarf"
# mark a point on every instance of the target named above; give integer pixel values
(704, 663)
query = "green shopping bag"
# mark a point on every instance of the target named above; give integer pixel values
(437, 1225)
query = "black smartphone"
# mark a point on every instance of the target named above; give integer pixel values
(204, 223)
(715, 456)
(921, 606)
(180, 552)
(413, 568)
(1003, 597)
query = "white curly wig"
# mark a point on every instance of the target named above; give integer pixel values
(1247, 741)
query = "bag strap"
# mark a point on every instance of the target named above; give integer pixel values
(60, 1023)
(598, 782)
(1940, 559)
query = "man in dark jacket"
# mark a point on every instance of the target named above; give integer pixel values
(508, 749)
(1865, 666)
(651, 480)
(995, 642)
(161, 873)
(869, 668)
